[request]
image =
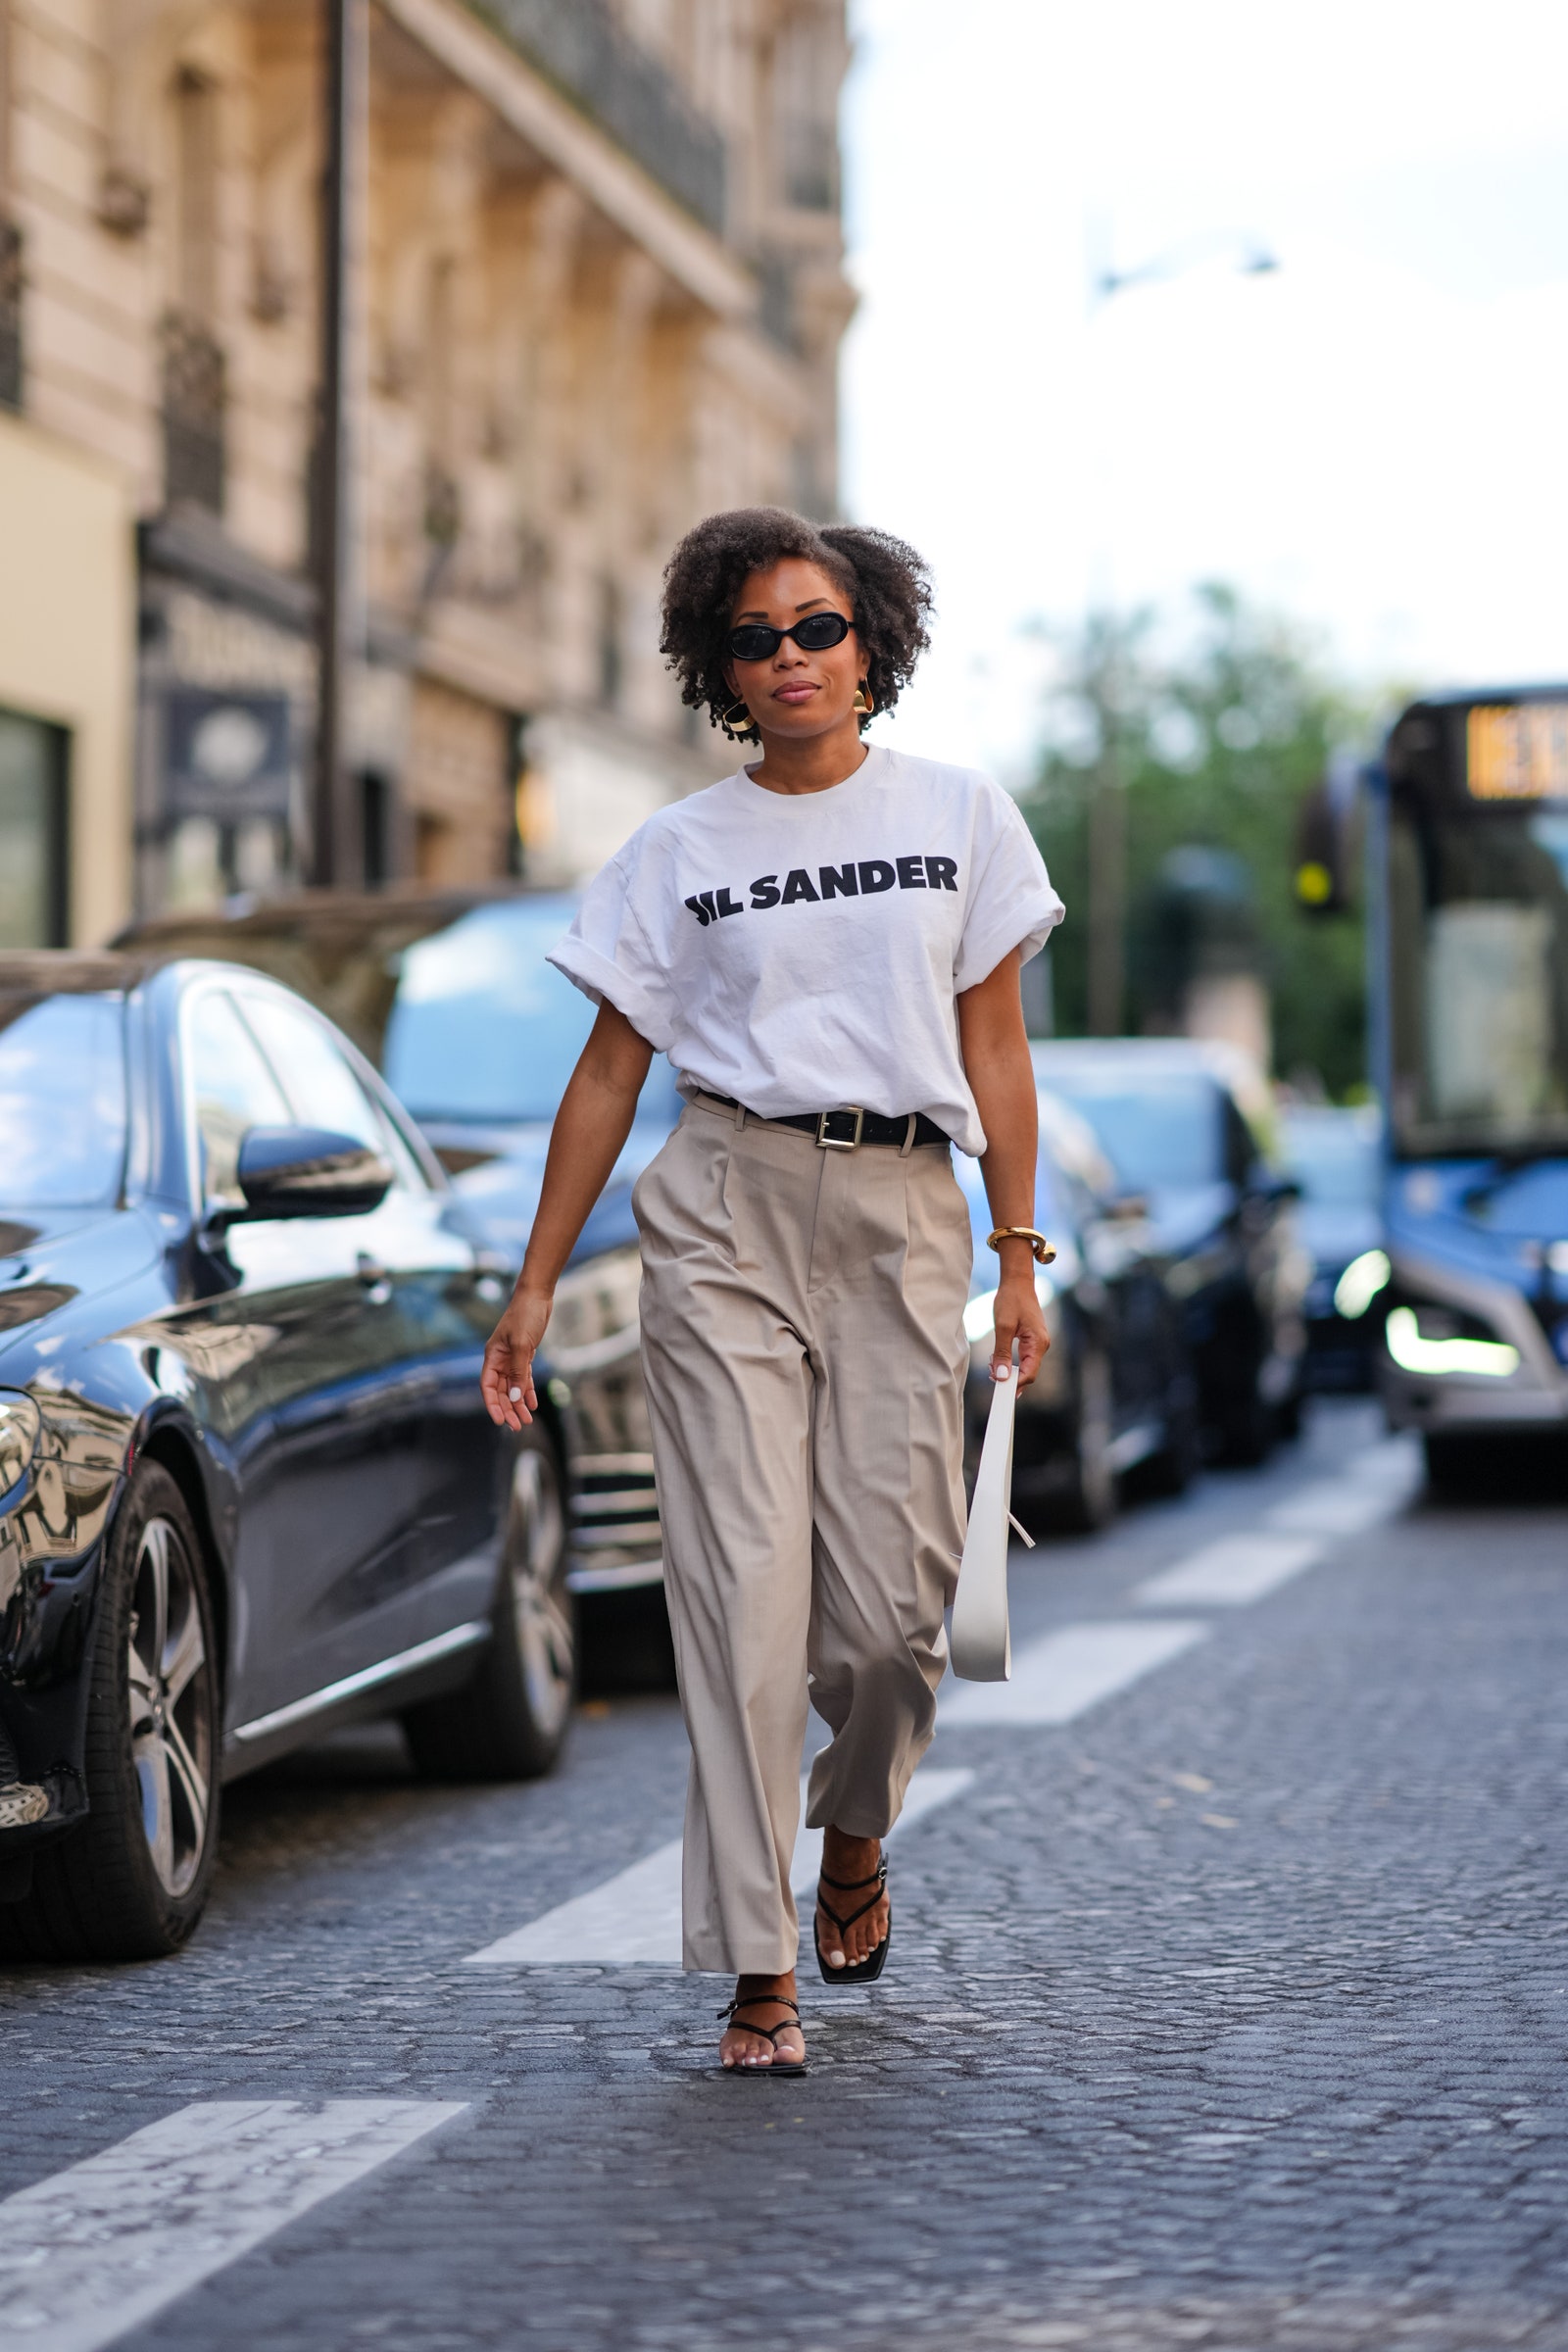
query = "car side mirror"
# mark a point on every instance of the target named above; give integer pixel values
(306, 1172)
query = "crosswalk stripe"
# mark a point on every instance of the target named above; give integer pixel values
(1231, 1571)
(1062, 1676)
(1332, 1508)
(633, 1920)
(97, 2249)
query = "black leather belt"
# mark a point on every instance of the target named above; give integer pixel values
(845, 1130)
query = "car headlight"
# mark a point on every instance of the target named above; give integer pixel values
(1416, 1350)
(1360, 1282)
(18, 1437)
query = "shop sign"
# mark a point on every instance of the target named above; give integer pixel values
(229, 756)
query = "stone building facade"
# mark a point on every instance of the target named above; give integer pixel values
(598, 292)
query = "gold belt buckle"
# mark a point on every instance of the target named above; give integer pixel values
(838, 1142)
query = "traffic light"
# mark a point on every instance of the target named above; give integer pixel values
(1327, 840)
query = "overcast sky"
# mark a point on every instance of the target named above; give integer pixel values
(1375, 437)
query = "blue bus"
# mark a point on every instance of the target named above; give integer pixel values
(1468, 874)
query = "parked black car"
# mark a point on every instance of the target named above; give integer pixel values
(1335, 1156)
(248, 1490)
(1116, 1392)
(449, 994)
(1186, 1127)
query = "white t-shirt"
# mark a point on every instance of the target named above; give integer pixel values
(802, 951)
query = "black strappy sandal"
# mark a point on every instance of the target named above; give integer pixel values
(859, 1972)
(780, 2066)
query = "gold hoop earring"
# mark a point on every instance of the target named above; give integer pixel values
(738, 723)
(862, 705)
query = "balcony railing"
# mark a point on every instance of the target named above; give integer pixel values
(195, 405)
(586, 53)
(11, 282)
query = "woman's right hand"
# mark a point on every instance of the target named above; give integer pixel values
(507, 1379)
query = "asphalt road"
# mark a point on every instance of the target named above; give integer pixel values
(1227, 2004)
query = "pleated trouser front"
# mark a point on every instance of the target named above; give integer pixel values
(803, 1353)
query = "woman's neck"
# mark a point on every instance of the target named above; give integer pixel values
(817, 764)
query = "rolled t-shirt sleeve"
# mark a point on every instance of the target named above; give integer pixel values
(1010, 900)
(609, 954)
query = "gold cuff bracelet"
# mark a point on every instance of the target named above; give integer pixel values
(1044, 1252)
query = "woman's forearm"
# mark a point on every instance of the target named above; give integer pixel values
(1002, 1079)
(591, 1128)
(587, 1139)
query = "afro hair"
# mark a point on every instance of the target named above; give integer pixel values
(886, 583)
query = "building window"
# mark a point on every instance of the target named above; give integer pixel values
(194, 376)
(10, 278)
(11, 283)
(375, 827)
(34, 783)
(804, 95)
(609, 644)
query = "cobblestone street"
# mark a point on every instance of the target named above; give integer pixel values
(1227, 2004)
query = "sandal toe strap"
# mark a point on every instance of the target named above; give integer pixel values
(849, 1885)
(754, 2000)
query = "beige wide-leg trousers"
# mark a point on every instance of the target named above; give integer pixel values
(803, 1350)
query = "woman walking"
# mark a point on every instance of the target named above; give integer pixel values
(827, 945)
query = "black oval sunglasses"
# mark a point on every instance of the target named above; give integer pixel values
(755, 641)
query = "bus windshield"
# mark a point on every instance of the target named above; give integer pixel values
(1478, 906)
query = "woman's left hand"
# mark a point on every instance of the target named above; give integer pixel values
(1020, 1316)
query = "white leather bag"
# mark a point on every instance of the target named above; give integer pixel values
(979, 1645)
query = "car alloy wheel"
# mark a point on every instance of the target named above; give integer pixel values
(168, 1675)
(130, 1882)
(536, 1570)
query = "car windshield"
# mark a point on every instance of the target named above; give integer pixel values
(484, 1029)
(1333, 1154)
(1159, 1131)
(62, 1101)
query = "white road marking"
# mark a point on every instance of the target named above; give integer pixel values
(633, 1920)
(1376, 1487)
(1333, 1510)
(98, 2249)
(1058, 1678)
(629, 1921)
(1231, 1571)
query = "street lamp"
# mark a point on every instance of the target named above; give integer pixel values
(343, 32)
(1108, 807)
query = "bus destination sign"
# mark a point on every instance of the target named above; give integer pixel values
(1517, 750)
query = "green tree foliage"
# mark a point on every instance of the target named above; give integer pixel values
(1215, 749)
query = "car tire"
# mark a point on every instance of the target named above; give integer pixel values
(1249, 1428)
(1172, 1470)
(131, 1882)
(509, 1722)
(1090, 1499)
(1465, 1466)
